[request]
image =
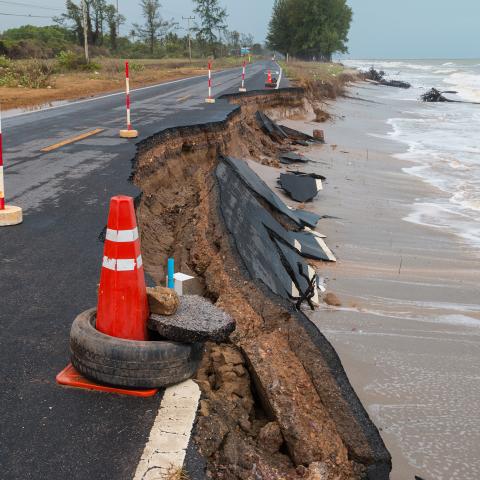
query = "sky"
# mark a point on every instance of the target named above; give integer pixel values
(380, 28)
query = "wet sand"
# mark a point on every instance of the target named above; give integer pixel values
(408, 330)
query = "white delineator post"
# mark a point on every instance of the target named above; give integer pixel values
(129, 132)
(242, 88)
(210, 99)
(2, 184)
(9, 215)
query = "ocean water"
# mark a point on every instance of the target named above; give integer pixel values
(442, 139)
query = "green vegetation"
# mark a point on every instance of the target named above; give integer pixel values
(35, 42)
(32, 73)
(310, 29)
(155, 27)
(155, 37)
(212, 19)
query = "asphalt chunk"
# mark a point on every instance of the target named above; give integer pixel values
(301, 188)
(261, 189)
(196, 320)
(292, 157)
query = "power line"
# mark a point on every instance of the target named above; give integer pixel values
(30, 5)
(25, 15)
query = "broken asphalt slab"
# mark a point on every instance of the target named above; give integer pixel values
(299, 218)
(196, 320)
(291, 157)
(299, 136)
(272, 253)
(270, 127)
(301, 188)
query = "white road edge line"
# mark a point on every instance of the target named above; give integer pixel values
(170, 434)
(279, 77)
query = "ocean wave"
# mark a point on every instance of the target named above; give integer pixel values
(445, 71)
(442, 147)
(467, 85)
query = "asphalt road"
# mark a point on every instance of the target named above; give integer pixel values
(50, 266)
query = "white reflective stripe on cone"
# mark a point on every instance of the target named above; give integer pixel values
(125, 265)
(122, 236)
(122, 264)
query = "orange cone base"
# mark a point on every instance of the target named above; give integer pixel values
(10, 215)
(69, 377)
(129, 133)
(209, 100)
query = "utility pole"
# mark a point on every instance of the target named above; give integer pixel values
(85, 30)
(118, 22)
(189, 38)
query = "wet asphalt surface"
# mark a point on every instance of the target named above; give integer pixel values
(49, 269)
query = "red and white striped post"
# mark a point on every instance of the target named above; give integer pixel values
(129, 132)
(242, 88)
(210, 99)
(2, 183)
(9, 215)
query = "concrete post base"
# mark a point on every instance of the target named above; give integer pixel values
(10, 216)
(128, 133)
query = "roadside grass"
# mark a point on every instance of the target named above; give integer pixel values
(33, 83)
(320, 80)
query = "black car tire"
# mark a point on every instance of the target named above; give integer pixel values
(129, 363)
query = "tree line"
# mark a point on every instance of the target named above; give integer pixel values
(155, 37)
(309, 29)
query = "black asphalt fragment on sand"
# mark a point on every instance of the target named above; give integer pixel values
(196, 320)
(310, 246)
(50, 267)
(301, 188)
(296, 267)
(292, 157)
(299, 136)
(257, 185)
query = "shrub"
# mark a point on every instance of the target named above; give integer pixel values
(69, 60)
(5, 62)
(27, 73)
(34, 73)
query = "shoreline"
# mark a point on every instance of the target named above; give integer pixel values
(407, 330)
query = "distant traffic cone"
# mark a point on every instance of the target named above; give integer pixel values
(269, 77)
(122, 309)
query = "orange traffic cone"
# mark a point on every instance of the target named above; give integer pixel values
(269, 77)
(122, 309)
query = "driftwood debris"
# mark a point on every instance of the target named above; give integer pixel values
(379, 77)
(434, 95)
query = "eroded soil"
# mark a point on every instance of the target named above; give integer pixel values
(270, 407)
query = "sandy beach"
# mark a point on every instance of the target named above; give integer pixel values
(408, 328)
